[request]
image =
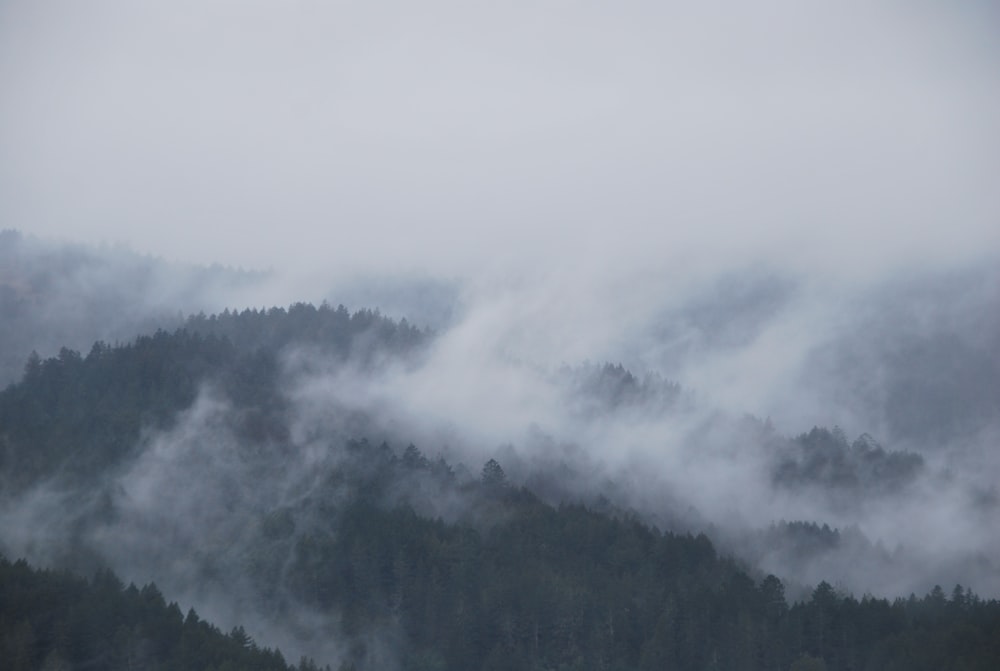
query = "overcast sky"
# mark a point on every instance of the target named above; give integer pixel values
(458, 137)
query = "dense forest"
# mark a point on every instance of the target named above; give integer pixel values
(79, 414)
(566, 588)
(56, 620)
(405, 561)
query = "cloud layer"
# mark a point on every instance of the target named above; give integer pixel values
(491, 140)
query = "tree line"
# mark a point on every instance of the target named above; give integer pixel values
(504, 580)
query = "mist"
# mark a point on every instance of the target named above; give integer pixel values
(784, 216)
(702, 442)
(488, 140)
(706, 193)
(688, 455)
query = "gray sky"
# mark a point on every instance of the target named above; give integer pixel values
(494, 139)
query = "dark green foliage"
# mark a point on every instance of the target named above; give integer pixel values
(56, 620)
(823, 457)
(73, 414)
(333, 331)
(507, 582)
(525, 585)
(81, 415)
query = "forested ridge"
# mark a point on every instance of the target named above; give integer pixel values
(56, 620)
(56, 295)
(413, 562)
(80, 414)
(569, 587)
(544, 588)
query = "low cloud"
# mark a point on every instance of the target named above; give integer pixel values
(788, 211)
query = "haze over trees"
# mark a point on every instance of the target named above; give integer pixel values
(71, 295)
(203, 459)
(578, 335)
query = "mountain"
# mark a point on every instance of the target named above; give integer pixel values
(248, 463)
(55, 295)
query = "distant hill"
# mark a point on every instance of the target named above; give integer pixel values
(55, 295)
(185, 456)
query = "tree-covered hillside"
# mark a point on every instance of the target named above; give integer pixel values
(191, 459)
(76, 415)
(518, 584)
(55, 295)
(57, 621)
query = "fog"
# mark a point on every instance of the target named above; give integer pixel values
(567, 175)
(791, 211)
(326, 138)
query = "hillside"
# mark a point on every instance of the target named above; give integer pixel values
(54, 620)
(193, 459)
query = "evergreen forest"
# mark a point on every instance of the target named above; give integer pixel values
(400, 560)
